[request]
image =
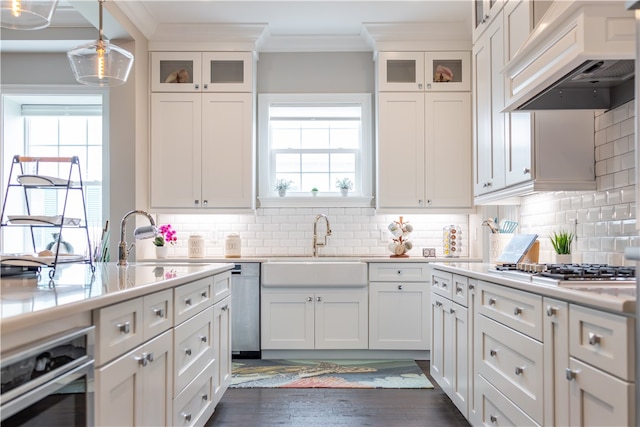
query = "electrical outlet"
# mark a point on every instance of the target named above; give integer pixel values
(383, 235)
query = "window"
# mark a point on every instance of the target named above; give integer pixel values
(57, 130)
(313, 141)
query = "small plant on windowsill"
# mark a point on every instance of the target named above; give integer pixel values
(282, 185)
(344, 184)
(314, 191)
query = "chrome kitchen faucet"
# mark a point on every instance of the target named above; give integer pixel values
(315, 233)
(139, 233)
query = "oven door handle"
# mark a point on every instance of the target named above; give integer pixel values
(32, 396)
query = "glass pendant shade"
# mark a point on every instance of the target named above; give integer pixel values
(26, 14)
(100, 63)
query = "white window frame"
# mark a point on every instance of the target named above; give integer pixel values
(266, 194)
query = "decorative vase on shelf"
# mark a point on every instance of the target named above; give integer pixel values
(162, 251)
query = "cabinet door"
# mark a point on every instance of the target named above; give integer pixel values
(448, 166)
(227, 71)
(156, 398)
(341, 320)
(287, 321)
(518, 147)
(447, 71)
(176, 71)
(457, 351)
(556, 360)
(439, 307)
(401, 71)
(401, 172)
(489, 123)
(221, 348)
(599, 399)
(227, 160)
(484, 13)
(176, 150)
(473, 407)
(399, 316)
(193, 348)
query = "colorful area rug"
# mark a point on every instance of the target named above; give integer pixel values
(257, 373)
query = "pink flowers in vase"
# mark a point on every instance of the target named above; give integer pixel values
(166, 234)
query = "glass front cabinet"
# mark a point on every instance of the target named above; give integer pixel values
(201, 71)
(424, 71)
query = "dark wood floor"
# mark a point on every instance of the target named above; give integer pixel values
(337, 407)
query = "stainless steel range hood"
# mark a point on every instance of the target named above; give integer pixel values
(580, 56)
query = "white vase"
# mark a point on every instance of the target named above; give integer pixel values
(344, 191)
(282, 192)
(562, 258)
(314, 193)
(162, 251)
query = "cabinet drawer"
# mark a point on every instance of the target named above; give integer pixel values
(119, 328)
(397, 271)
(519, 310)
(442, 283)
(192, 298)
(157, 313)
(459, 289)
(513, 363)
(221, 286)
(602, 340)
(193, 349)
(496, 409)
(194, 406)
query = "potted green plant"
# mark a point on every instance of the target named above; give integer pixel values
(314, 191)
(282, 185)
(561, 242)
(344, 184)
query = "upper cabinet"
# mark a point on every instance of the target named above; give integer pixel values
(484, 12)
(201, 71)
(424, 71)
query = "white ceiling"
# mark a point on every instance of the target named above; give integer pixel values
(305, 19)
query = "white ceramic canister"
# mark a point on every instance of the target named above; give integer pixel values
(196, 246)
(232, 246)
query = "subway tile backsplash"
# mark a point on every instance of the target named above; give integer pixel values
(605, 219)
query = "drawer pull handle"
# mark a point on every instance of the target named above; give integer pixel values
(158, 312)
(203, 294)
(493, 418)
(493, 353)
(225, 307)
(438, 304)
(444, 285)
(399, 287)
(124, 328)
(188, 352)
(519, 370)
(187, 417)
(517, 311)
(570, 374)
(187, 301)
(492, 301)
(435, 282)
(399, 271)
(594, 338)
(203, 338)
(451, 310)
(551, 311)
(471, 287)
(150, 357)
(205, 397)
(458, 290)
(319, 299)
(309, 299)
(142, 360)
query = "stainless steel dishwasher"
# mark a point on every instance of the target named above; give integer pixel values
(245, 316)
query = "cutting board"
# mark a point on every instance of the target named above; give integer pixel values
(516, 248)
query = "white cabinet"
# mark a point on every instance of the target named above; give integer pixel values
(399, 306)
(556, 360)
(314, 319)
(202, 150)
(202, 71)
(136, 388)
(222, 348)
(488, 120)
(424, 144)
(483, 14)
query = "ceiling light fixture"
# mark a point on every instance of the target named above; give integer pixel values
(26, 14)
(100, 63)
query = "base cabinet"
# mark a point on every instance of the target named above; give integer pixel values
(314, 319)
(222, 348)
(136, 388)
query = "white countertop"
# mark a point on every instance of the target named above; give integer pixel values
(617, 304)
(362, 258)
(30, 300)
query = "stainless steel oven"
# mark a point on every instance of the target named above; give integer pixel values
(50, 382)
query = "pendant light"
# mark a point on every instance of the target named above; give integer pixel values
(26, 14)
(100, 63)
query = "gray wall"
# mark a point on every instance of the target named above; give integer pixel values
(40, 68)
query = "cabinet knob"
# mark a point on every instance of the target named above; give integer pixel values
(519, 370)
(206, 86)
(594, 338)
(419, 85)
(458, 290)
(197, 86)
(188, 352)
(517, 311)
(438, 304)
(429, 202)
(526, 171)
(124, 328)
(399, 287)
(428, 85)
(205, 202)
(570, 374)
(187, 301)
(492, 301)
(493, 418)
(471, 287)
(159, 312)
(205, 397)
(493, 353)
(551, 311)
(196, 202)
(142, 360)
(451, 310)
(203, 338)
(150, 357)
(187, 417)
(319, 299)
(399, 272)
(225, 307)
(435, 282)
(309, 299)
(203, 294)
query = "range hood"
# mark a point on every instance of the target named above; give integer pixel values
(580, 56)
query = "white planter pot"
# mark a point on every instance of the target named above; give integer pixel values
(562, 259)
(162, 251)
(344, 191)
(282, 193)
